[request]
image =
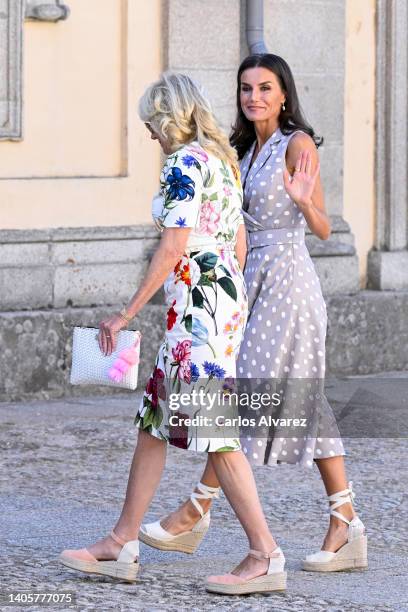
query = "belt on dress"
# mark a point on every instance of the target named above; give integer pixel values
(282, 235)
(226, 246)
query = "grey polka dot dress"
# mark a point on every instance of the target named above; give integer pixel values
(285, 335)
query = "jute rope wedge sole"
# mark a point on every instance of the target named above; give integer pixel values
(353, 554)
(155, 536)
(126, 567)
(186, 542)
(274, 580)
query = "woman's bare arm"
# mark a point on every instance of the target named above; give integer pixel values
(308, 194)
(171, 248)
(241, 246)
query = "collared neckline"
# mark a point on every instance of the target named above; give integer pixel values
(273, 139)
(263, 153)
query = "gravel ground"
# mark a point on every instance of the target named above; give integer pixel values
(64, 474)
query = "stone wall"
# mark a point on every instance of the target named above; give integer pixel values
(76, 267)
(36, 346)
(52, 280)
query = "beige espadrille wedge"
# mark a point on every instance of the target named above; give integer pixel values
(273, 580)
(154, 535)
(353, 554)
(125, 567)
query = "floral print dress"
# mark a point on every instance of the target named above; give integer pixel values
(206, 300)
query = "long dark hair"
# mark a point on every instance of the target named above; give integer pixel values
(291, 119)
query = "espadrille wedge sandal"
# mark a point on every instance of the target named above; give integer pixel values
(353, 554)
(273, 580)
(125, 567)
(154, 535)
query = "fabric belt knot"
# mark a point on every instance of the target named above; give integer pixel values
(283, 235)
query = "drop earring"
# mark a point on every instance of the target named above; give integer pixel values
(283, 106)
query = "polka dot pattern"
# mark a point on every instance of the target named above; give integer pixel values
(286, 330)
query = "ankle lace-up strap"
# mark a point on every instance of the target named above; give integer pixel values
(340, 498)
(206, 492)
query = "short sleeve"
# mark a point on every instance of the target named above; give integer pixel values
(182, 187)
(237, 178)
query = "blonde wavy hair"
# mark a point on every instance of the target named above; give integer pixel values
(175, 108)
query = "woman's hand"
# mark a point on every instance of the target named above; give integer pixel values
(108, 330)
(301, 185)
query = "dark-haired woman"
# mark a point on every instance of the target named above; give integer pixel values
(286, 329)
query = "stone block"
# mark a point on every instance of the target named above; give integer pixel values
(321, 98)
(81, 266)
(336, 244)
(203, 34)
(331, 158)
(338, 224)
(387, 270)
(18, 254)
(96, 284)
(31, 235)
(99, 251)
(367, 333)
(220, 88)
(338, 275)
(312, 30)
(108, 232)
(25, 287)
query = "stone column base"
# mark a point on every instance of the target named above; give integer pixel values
(387, 270)
(335, 259)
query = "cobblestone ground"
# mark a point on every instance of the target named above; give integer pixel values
(63, 479)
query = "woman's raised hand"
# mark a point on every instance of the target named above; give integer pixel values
(301, 184)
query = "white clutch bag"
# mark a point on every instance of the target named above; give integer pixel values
(91, 367)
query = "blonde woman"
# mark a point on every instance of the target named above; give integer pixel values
(199, 260)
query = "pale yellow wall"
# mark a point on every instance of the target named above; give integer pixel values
(82, 81)
(359, 194)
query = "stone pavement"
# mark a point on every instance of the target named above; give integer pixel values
(63, 479)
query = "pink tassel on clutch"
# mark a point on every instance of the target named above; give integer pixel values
(122, 363)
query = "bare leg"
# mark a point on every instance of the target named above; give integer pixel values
(186, 516)
(237, 481)
(333, 473)
(145, 473)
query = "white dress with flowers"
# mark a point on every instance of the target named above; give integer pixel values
(206, 299)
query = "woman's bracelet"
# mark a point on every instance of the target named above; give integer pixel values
(123, 313)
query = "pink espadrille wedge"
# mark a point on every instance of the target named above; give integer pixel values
(125, 567)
